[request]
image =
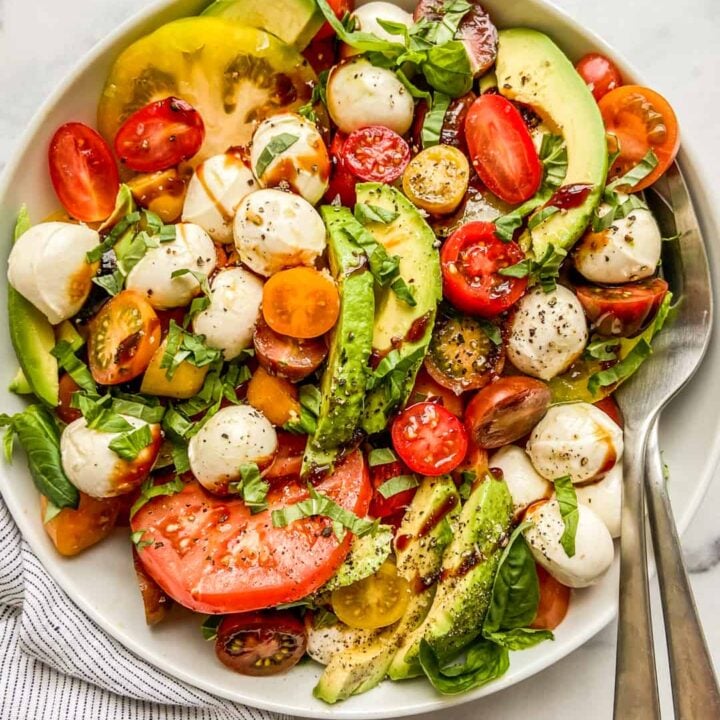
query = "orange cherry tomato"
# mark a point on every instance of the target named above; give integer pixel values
(275, 397)
(554, 601)
(123, 338)
(641, 120)
(300, 302)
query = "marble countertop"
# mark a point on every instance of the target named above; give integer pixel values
(674, 45)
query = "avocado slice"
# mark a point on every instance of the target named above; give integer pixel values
(343, 384)
(425, 531)
(531, 69)
(465, 586)
(399, 325)
(293, 21)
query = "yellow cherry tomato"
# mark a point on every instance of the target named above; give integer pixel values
(375, 602)
(437, 179)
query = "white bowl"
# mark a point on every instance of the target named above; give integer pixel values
(101, 581)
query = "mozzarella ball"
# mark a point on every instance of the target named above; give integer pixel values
(326, 642)
(360, 94)
(48, 267)
(604, 498)
(548, 332)
(524, 483)
(304, 166)
(578, 440)
(366, 20)
(214, 193)
(628, 250)
(234, 436)
(192, 249)
(93, 468)
(594, 548)
(229, 321)
(276, 230)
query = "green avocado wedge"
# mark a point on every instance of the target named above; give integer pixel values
(343, 384)
(399, 326)
(532, 70)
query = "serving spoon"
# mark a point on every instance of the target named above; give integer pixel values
(677, 353)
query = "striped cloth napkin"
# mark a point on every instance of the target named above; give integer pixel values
(56, 664)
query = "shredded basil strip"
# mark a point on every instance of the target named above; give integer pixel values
(636, 174)
(201, 303)
(434, 119)
(130, 444)
(567, 501)
(252, 488)
(137, 540)
(365, 213)
(185, 346)
(603, 349)
(180, 458)
(148, 491)
(277, 146)
(381, 456)
(397, 484)
(74, 367)
(306, 422)
(210, 625)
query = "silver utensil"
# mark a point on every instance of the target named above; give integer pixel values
(678, 351)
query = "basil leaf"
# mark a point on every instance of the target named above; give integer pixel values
(137, 540)
(603, 349)
(184, 346)
(74, 367)
(359, 40)
(520, 638)
(201, 303)
(434, 120)
(553, 154)
(148, 491)
(447, 69)
(138, 407)
(112, 283)
(491, 330)
(277, 146)
(374, 214)
(542, 215)
(306, 423)
(506, 225)
(518, 270)
(567, 500)
(209, 628)
(636, 174)
(175, 424)
(252, 488)
(397, 484)
(381, 456)
(124, 205)
(130, 444)
(51, 512)
(180, 458)
(113, 237)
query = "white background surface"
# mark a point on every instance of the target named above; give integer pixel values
(673, 44)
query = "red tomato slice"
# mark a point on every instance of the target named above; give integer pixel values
(68, 387)
(211, 555)
(622, 310)
(288, 459)
(382, 507)
(340, 7)
(429, 439)
(502, 149)
(470, 259)
(599, 73)
(160, 135)
(342, 181)
(376, 154)
(321, 54)
(83, 172)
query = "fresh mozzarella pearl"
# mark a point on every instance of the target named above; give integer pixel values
(92, 467)
(360, 94)
(47, 266)
(229, 321)
(304, 166)
(578, 440)
(628, 250)
(593, 545)
(214, 193)
(604, 498)
(192, 249)
(525, 485)
(326, 642)
(366, 20)
(234, 436)
(548, 332)
(276, 230)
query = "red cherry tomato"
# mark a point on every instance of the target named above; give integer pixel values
(340, 7)
(68, 387)
(321, 54)
(342, 181)
(470, 259)
(623, 310)
(83, 172)
(429, 439)
(554, 601)
(502, 150)
(376, 154)
(599, 73)
(382, 507)
(611, 409)
(160, 135)
(288, 459)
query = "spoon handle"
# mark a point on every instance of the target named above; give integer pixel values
(636, 694)
(694, 686)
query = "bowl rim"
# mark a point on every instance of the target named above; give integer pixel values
(695, 175)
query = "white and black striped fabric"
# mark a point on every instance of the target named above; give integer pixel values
(56, 664)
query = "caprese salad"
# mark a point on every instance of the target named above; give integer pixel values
(329, 324)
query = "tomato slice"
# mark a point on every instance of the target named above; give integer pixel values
(340, 8)
(260, 644)
(599, 73)
(502, 150)
(321, 54)
(123, 338)
(160, 135)
(211, 555)
(554, 601)
(83, 172)
(641, 120)
(429, 439)
(342, 181)
(382, 507)
(622, 310)
(471, 258)
(376, 154)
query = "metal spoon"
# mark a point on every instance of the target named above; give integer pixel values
(677, 354)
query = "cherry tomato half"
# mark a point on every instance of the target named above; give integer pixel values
(376, 154)
(160, 135)
(623, 310)
(554, 601)
(342, 181)
(261, 643)
(429, 439)
(611, 409)
(380, 506)
(83, 172)
(321, 54)
(502, 150)
(427, 389)
(641, 120)
(470, 259)
(340, 7)
(599, 73)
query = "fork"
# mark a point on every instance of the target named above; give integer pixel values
(678, 351)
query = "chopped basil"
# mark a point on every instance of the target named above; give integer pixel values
(99, 412)
(138, 406)
(506, 225)
(113, 237)
(185, 346)
(137, 540)
(567, 500)
(413, 89)
(553, 154)
(130, 444)
(544, 272)
(148, 491)
(491, 330)
(542, 215)
(306, 422)
(209, 628)
(518, 270)
(199, 303)
(277, 146)
(252, 488)
(434, 119)
(319, 95)
(180, 458)
(374, 214)
(381, 456)
(468, 481)
(397, 484)
(74, 367)
(603, 349)
(636, 174)
(51, 511)
(112, 283)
